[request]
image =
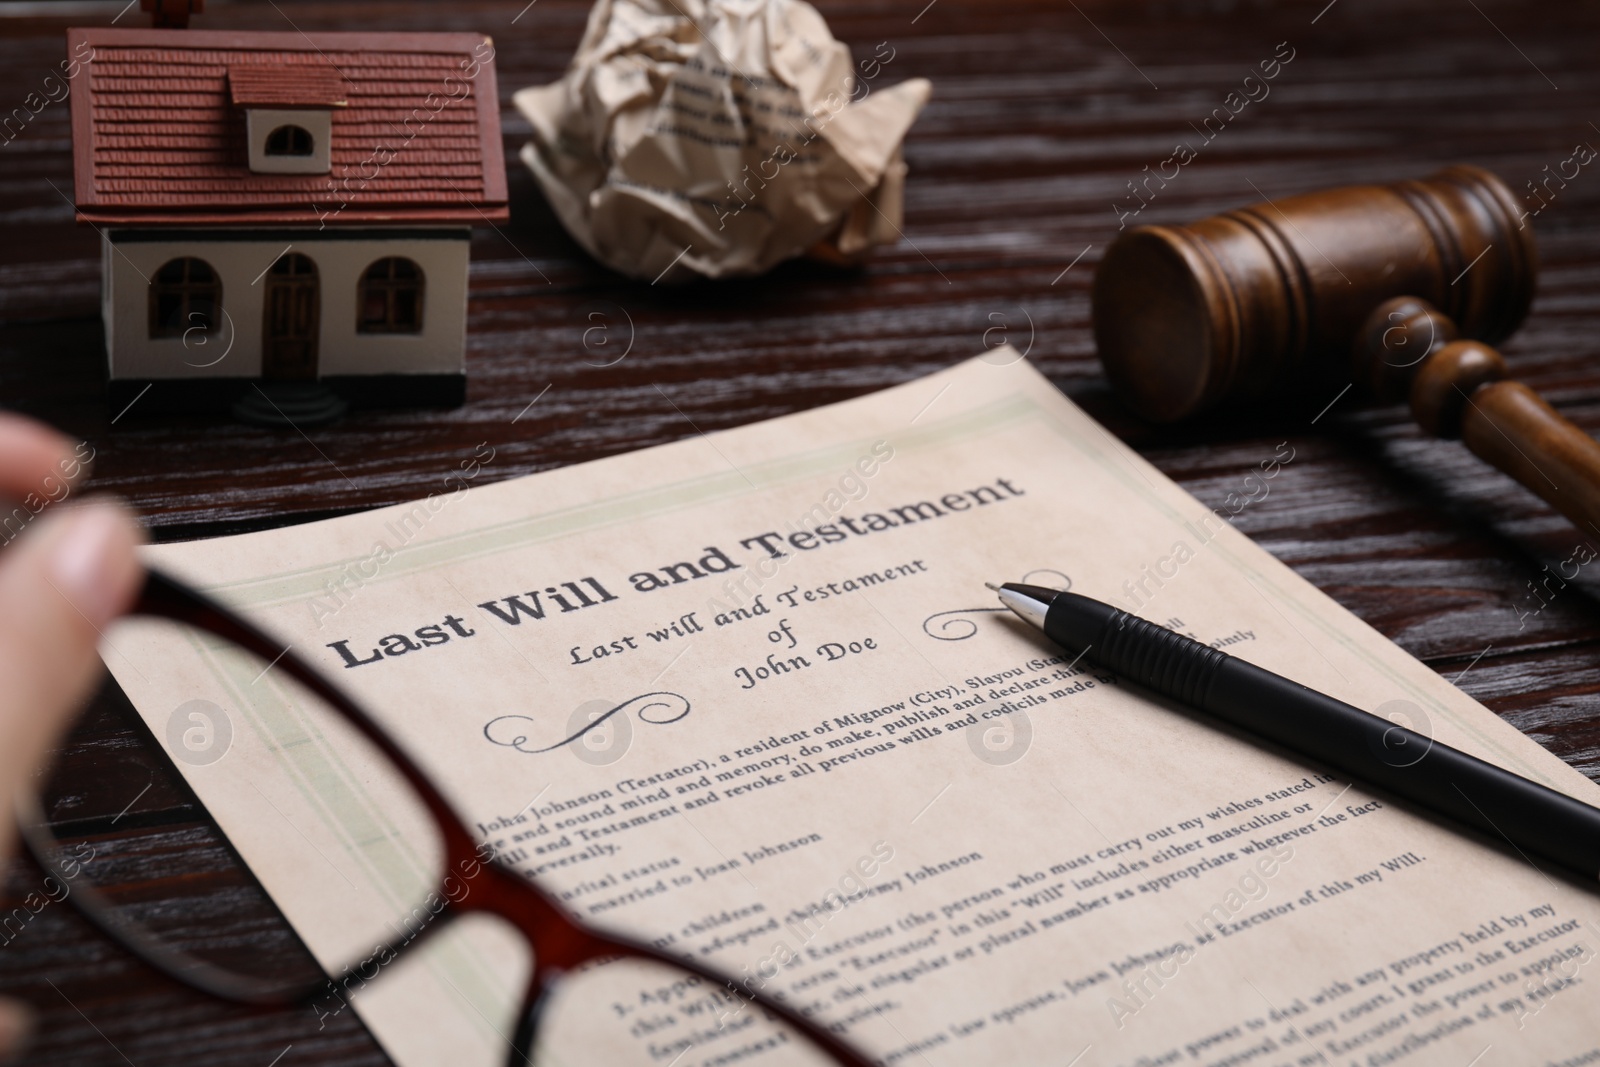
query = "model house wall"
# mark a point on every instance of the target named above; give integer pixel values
(241, 263)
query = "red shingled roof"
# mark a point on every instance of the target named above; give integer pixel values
(156, 138)
(260, 84)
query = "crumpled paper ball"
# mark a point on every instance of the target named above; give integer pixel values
(719, 138)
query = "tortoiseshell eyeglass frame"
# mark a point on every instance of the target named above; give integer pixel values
(559, 942)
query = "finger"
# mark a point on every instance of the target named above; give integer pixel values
(34, 453)
(60, 584)
(15, 1023)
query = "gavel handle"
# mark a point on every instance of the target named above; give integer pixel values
(1509, 425)
(1462, 388)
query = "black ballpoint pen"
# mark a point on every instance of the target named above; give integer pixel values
(1537, 821)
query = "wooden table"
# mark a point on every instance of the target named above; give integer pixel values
(1042, 113)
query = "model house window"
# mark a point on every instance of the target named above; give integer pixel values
(185, 294)
(391, 297)
(288, 112)
(289, 141)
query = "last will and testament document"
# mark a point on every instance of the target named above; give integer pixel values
(837, 767)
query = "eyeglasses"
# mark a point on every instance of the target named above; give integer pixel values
(375, 844)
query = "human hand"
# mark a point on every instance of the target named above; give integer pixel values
(63, 577)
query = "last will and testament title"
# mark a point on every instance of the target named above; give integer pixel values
(765, 550)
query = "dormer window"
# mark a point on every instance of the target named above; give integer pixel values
(288, 113)
(290, 141)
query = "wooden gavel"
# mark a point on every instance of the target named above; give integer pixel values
(1341, 285)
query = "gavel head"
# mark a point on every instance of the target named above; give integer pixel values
(1271, 297)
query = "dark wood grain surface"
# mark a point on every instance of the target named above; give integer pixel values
(1042, 113)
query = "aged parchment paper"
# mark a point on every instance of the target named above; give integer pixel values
(1059, 868)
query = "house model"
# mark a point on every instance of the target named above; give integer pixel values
(285, 218)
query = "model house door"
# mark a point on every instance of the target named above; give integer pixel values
(289, 347)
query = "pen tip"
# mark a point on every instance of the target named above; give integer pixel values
(991, 585)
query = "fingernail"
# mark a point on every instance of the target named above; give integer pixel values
(82, 463)
(84, 563)
(16, 1022)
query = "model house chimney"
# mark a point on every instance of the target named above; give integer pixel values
(172, 14)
